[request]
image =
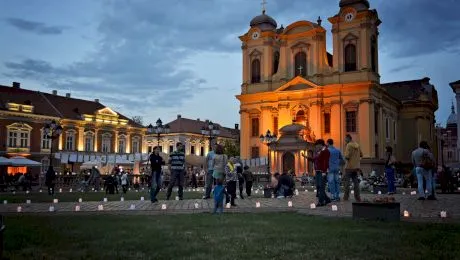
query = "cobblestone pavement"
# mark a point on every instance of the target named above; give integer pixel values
(419, 210)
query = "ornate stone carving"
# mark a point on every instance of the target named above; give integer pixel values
(266, 108)
(351, 105)
(283, 105)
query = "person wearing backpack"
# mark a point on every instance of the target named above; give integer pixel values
(423, 161)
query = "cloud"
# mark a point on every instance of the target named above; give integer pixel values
(35, 27)
(419, 27)
(402, 68)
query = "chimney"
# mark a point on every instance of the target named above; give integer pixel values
(67, 95)
(16, 85)
(179, 116)
(237, 126)
(55, 92)
(96, 100)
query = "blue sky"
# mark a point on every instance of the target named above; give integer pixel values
(160, 58)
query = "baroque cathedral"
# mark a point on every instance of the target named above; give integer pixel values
(293, 87)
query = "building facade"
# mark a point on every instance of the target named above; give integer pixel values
(290, 78)
(447, 141)
(89, 129)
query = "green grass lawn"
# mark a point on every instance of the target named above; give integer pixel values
(228, 236)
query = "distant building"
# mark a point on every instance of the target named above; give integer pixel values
(189, 132)
(447, 141)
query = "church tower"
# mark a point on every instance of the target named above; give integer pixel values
(355, 42)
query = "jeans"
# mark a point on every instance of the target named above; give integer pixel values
(218, 206)
(240, 186)
(424, 174)
(156, 185)
(321, 188)
(125, 188)
(231, 190)
(390, 173)
(353, 175)
(176, 177)
(208, 184)
(333, 183)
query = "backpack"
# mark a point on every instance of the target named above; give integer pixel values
(427, 162)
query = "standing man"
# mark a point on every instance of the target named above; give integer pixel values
(156, 162)
(209, 169)
(335, 162)
(177, 171)
(96, 177)
(50, 178)
(321, 160)
(353, 156)
(423, 161)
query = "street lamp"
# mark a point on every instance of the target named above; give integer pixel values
(210, 131)
(52, 131)
(158, 129)
(268, 139)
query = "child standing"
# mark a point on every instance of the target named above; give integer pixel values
(219, 192)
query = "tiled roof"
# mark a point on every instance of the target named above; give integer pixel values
(410, 90)
(185, 125)
(52, 105)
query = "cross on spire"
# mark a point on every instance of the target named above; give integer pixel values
(264, 3)
(300, 68)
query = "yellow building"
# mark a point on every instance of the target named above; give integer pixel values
(289, 77)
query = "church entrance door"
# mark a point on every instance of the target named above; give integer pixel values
(288, 162)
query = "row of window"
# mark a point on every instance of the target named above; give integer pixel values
(300, 61)
(350, 123)
(20, 138)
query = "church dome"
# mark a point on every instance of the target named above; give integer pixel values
(264, 22)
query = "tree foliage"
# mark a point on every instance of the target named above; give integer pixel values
(231, 149)
(138, 119)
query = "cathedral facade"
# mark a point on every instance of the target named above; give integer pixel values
(290, 78)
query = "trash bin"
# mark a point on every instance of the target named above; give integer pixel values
(2, 229)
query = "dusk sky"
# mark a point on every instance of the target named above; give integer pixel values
(159, 58)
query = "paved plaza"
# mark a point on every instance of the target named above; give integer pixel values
(418, 210)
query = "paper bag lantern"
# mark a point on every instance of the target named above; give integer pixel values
(80, 200)
(28, 201)
(443, 214)
(132, 207)
(51, 209)
(14, 192)
(60, 189)
(193, 190)
(379, 193)
(257, 191)
(142, 198)
(403, 193)
(406, 213)
(177, 197)
(100, 207)
(27, 192)
(163, 206)
(40, 191)
(334, 207)
(55, 200)
(313, 206)
(297, 192)
(70, 190)
(352, 192)
(315, 191)
(227, 206)
(5, 202)
(413, 193)
(19, 209)
(77, 208)
(196, 205)
(257, 204)
(290, 204)
(105, 199)
(122, 199)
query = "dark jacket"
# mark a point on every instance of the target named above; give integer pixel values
(50, 176)
(322, 160)
(285, 183)
(156, 161)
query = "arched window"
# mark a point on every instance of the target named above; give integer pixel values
(374, 54)
(300, 64)
(350, 57)
(276, 61)
(255, 71)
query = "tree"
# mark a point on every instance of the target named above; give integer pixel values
(231, 149)
(138, 120)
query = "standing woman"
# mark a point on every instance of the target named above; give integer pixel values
(390, 170)
(219, 161)
(239, 172)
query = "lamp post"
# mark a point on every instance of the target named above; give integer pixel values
(158, 129)
(268, 139)
(210, 131)
(52, 131)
